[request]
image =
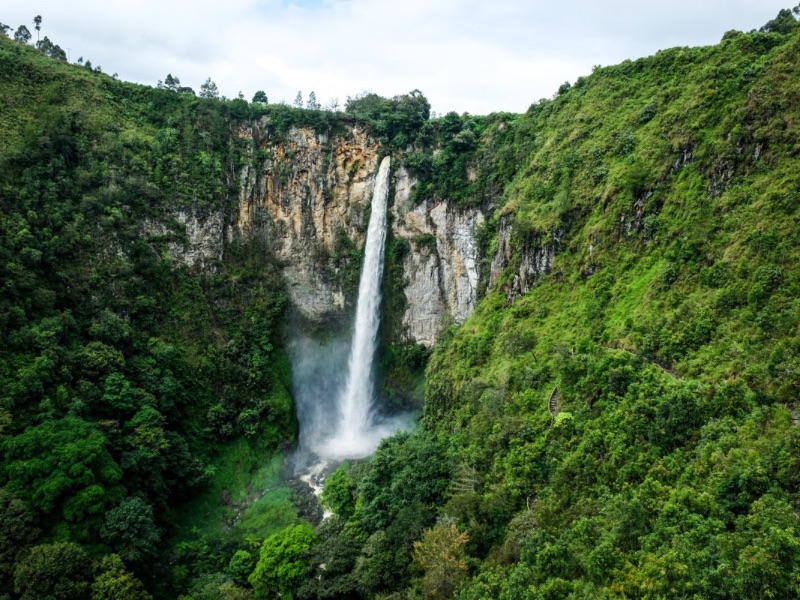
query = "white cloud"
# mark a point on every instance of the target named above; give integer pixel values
(464, 55)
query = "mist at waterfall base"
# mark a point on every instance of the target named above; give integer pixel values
(319, 372)
(334, 382)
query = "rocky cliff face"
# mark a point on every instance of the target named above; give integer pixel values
(441, 270)
(192, 238)
(535, 260)
(313, 193)
(309, 194)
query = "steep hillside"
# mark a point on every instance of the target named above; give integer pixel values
(610, 282)
(123, 373)
(626, 393)
(617, 419)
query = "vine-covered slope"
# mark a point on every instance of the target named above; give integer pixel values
(618, 416)
(616, 420)
(667, 191)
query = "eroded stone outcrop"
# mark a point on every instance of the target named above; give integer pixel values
(534, 261)
(307, 193)
(441, 269)
(192, 238)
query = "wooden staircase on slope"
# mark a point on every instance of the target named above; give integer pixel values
(553, 404)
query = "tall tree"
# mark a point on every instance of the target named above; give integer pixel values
(312, 103)
(17, 534)
(298, 100)
(130, 530)
(114, 582)
(52, 50)
(441, 554)
(282, 564)
(62, 570)
(171, 83)
(22, 35)
(209, 89)
(784, 23)
(260, 97)
(339, 492)
(37, 25)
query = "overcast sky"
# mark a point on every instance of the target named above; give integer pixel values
(468, 56)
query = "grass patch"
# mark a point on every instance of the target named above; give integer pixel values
(245, 495)
(269, 514)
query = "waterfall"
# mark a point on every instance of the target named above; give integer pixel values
(355, 433)
(333, 380)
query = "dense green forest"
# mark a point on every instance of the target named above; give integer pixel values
(618, 421)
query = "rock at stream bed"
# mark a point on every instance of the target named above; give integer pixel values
(305, 501)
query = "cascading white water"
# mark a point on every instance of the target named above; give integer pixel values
(355, 434)
(335, 400)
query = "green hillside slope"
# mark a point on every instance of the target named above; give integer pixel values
(666, 327)
(123, 376)
(617, 419)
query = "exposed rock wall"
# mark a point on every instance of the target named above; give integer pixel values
(308, 194)
(441, 269)
(193, 239)
(535, 260)
(311, 190)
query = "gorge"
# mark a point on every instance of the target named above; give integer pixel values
(582, 319)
